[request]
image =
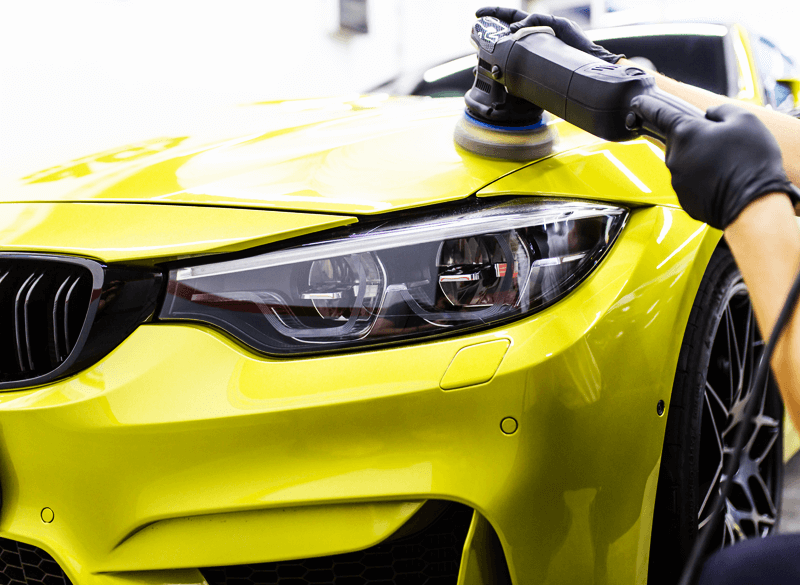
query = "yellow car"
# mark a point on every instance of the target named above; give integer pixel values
(340, 349)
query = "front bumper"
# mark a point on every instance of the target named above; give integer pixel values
(182, 449)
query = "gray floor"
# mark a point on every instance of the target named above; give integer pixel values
(790, 515)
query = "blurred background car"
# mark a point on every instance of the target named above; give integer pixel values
(724, 59)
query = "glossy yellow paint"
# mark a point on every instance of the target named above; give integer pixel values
(476, 566)
(258, 535)
(180, 429)
(474, 364)
(631, 173)
(395, 154)
(114, 233)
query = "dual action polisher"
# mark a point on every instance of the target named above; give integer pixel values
(521, 74)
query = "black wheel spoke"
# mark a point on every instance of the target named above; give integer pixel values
(712, 489)
(765, 436)
(703, 522)
(750, 509)
(717, 401)
(717, 436)
(764, 519)
(729, 535)
(734, 356)
(749, 351)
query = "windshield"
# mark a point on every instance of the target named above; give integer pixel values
(695, 59)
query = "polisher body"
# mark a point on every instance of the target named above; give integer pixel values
(534, 66)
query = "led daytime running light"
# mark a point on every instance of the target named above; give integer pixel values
(473, 266)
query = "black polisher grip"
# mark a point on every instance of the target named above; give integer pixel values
(539, 68)
(650, 128)
(585, 91)
(600, 95)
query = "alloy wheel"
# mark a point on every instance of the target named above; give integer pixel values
(751, 509)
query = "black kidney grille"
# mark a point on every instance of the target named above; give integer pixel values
(22, 564)
(430, 556)
(44, 304)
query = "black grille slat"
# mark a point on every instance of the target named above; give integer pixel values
(58, 334)
(430, 556)
(67, 338)
(25, 564)
(40, 318)
(27, 320)
(8, 359)
(18, 323)
(60, 314)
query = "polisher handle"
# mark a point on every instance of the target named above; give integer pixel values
(588, 92)
(650, 126)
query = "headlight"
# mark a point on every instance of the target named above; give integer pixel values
(481, 264)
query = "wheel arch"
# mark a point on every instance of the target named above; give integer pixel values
(711, 241)
(688, 452)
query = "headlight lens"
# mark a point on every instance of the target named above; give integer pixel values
(477, 265)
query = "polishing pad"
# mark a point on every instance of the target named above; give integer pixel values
(505, 142)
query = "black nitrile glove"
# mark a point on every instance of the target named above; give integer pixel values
(565, 29)
(720, 163)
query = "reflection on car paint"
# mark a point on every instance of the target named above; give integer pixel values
(86, 165)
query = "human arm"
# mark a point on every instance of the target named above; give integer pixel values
(765, 241)
(727, 171)
(783, 127)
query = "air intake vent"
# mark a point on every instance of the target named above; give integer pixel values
(24, 564)
(427, 551)
(58, 314)
(483, 86)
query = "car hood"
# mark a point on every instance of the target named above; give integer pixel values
(366, 155)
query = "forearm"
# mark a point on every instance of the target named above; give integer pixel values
(765, 241)
(785, 128)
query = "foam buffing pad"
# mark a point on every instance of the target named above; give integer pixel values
(505, 142)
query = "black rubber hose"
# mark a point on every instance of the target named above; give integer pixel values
(694, 562)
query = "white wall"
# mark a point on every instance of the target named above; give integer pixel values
(219, 50)
(81, 68)
(90, 69)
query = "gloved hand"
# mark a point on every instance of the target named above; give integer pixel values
(565, 29)
(720, 163)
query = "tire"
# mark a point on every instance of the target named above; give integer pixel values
(707, 401)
